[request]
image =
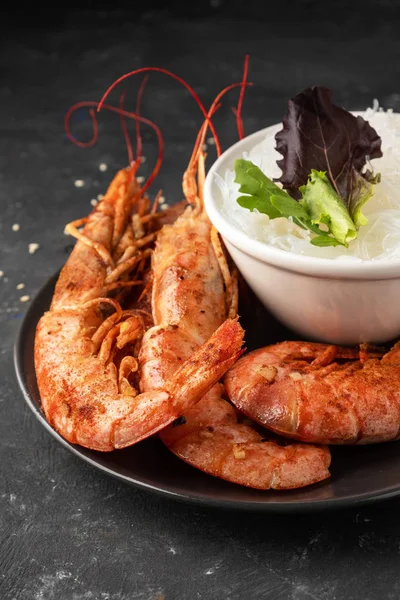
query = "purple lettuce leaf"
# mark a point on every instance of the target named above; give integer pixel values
(318, 135)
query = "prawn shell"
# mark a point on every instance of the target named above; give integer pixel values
(349, 402)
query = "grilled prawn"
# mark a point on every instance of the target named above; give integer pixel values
(320, 393)
(87, 344)
(193, 292)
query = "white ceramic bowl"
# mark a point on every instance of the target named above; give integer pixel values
(322, 299)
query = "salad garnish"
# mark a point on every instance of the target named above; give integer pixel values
(324, 149)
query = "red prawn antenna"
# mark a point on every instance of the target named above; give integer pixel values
(137, 111)
(213, 108)
(128, 142)
(134, 164)
(95, 136)
(203, 130)
(95, 125)
(239, 120)
(120, 112)
(177, 78)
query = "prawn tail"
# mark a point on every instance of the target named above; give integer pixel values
(211, 361)
(302, 465)
(154, 410)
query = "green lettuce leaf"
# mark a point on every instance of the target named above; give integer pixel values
(258, 187)
(362, 190)
(288, 207)
(326, 207)
(325, 240)
(320, 204)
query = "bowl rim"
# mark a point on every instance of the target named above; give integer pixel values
(309, 265)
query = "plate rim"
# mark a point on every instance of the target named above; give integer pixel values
(280, 506)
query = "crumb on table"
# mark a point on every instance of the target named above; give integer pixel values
(33, 247)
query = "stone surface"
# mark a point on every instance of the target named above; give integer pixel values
(68, 532)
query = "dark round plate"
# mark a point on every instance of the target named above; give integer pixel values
(360, 475)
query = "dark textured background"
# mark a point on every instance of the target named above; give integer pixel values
(67, 532)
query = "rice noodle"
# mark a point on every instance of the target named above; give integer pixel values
(379, 239)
